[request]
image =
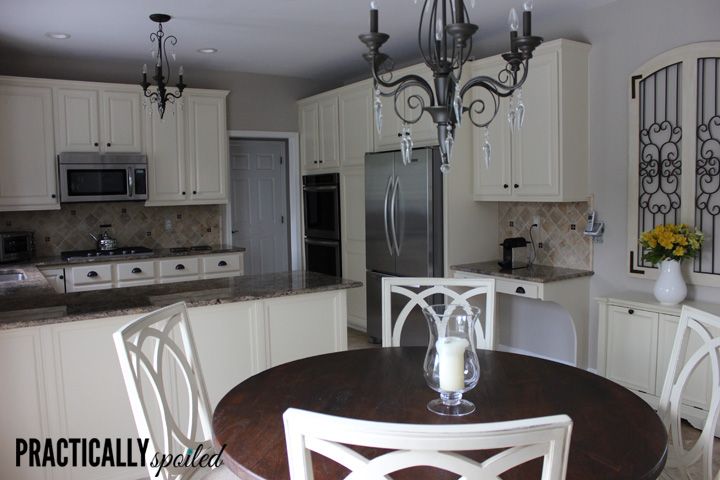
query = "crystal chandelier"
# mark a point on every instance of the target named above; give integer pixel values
(445, 39)
(161, 96)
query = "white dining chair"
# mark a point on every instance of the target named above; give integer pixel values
(150, 357)
(425, 445)
(457, 291)
(681, 460)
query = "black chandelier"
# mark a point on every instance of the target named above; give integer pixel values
(445, 40)
(161, 96)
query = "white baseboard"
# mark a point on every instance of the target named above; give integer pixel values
(357, 326)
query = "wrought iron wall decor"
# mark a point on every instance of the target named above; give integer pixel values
(660, 158)
(707, 163)
(445, 40)
(161, 96)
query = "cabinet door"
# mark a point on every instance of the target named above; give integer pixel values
(353, 242)
(28, 179)
(329, 133)
(92, 401)
(535, 153)
(165, 147)
(696, 393)
(491, 181)
(310, 135)
(76, 120)
(207, 148)
(120, 114)
(55, 277)
(24, 411)
(356, 124)
(632, 348)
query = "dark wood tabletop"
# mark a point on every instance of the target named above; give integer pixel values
(615, 434)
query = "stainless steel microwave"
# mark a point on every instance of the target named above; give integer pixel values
(102, 177)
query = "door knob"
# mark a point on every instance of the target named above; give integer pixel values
(516, 186)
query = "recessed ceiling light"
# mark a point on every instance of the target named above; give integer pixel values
(58, 35)
(207, 50)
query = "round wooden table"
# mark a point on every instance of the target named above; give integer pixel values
(615, 434)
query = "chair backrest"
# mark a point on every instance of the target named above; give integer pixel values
(156, 369)
(707, 327)
(425, 445)
(468, 288)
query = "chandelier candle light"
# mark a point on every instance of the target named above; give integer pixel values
(161, 95)
(445, 40)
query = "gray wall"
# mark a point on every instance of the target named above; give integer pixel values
(624, 34)
(256, 102)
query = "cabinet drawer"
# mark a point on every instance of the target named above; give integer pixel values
(222, 263)
(135, 271)
(91, 274)
(521, 289)
(179, 267)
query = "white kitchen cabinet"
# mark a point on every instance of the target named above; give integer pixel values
(91, 118)
(424, 132)
(64, 381)
(134, 273)
(635, 339)
(222, 265)
(187, 151)
(55, 277)
(352, 204)
(319, 132)
(356, 123)
(89, 277)
(207, 146)
(546, 160)
(28, 179)
(180, 269)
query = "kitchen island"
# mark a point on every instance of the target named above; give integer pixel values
(62, 377)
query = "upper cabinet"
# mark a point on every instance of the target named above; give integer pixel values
(187, 151)
(28, 179)
(103, 118)
(336, 127)
(546, 160)
(409, 103)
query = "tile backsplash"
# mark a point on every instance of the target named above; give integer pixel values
(560, 232)
(132, 225)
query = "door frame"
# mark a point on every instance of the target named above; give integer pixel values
(294, 194)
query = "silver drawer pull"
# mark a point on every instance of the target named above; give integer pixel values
(520, 290)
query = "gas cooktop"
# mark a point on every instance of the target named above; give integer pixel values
(117, 252)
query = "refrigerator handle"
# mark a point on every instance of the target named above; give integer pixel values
(393, 200)
(385, 213)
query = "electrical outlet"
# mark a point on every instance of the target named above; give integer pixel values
(536, 220)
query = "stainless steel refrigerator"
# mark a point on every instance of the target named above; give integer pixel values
(403, 225)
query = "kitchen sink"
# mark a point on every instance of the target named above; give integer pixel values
(12, 276)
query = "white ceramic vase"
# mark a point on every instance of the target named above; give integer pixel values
(670, 288)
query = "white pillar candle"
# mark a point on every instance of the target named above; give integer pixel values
(451, 358)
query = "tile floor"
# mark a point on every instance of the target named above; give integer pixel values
(358, 340)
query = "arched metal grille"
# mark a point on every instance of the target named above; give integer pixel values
(707, 163)
(660, 152)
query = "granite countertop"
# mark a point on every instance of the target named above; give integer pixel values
(535, 273)
(157, 253)
(40, 307)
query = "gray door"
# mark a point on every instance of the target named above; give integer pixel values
(258, 175)
(379, 182)
(412, 198)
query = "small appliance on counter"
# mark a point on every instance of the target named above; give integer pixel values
(16, 246)
(515, 253)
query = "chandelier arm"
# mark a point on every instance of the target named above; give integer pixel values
(173, 42)
(414, 102)
(494, 86)
(473, 110)
(415, 80)
(173, 95)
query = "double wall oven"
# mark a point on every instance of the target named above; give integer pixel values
(321, 196)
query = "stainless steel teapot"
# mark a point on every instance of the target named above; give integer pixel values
(104, 241)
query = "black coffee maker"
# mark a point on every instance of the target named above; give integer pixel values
(514, 253)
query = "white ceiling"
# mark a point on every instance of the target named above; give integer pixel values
(301, 38)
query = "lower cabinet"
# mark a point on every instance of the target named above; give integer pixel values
(55, 277)
(63, 380)
(635, 339)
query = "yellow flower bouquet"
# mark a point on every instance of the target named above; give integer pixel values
(670, 242)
